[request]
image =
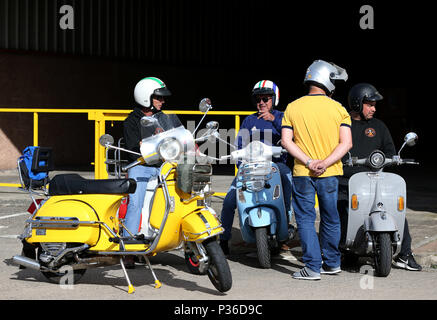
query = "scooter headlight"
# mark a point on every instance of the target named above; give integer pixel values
(169, 149)
(377, 159)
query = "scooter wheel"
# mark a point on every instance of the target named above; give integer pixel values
(218, 271)
(383, 254)
(263, 248)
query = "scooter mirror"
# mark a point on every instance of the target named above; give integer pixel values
(212, 125)
(411, 139)
(106, 139)
(205, 105)
(148, 121)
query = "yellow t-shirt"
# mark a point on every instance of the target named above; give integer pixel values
(316, 121)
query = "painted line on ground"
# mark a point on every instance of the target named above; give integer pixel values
(14, 215)
(10, 236)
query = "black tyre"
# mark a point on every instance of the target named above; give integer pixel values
(218, 270)
(383, 253)
(262, 247)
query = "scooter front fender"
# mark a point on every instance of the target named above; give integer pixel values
(200, 225)
(381, 222)
(261, 217)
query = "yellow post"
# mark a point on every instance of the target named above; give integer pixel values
(96, 149)
(35, 128)
(99, 151)
(102, 168)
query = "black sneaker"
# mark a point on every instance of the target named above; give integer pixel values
(407, 263)
(225, 247)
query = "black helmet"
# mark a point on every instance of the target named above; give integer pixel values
(361, 92)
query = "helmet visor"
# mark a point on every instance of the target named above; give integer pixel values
(261, 91)
(339, 73)
(163, 92)
(375, 96)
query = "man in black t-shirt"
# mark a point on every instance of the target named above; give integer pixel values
(369, 134)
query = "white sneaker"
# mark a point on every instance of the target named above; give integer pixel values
(328, 270)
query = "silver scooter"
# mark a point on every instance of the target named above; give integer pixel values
(377, 207)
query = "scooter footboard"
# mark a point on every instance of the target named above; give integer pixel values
(200, 225)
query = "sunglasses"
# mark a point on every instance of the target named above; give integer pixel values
(159, 98)
(264, 99)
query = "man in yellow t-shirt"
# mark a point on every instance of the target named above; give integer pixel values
(316, 132)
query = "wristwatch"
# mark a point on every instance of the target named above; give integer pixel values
(308, 163)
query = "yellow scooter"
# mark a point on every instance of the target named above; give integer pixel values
(78, 226)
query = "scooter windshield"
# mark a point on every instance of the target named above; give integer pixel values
(169, 140)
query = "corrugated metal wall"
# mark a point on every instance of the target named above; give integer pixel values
(170, 31)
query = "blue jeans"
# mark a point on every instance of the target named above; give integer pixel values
(141, 174)
(230, 201)
(304, 191)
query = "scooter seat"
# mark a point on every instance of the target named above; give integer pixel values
(69, 184)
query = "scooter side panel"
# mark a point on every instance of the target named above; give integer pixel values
(78, 206)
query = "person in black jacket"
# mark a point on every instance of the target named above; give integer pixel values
(149, 94)
(369, 134)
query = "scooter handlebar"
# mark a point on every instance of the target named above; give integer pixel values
(409, 161)
(133, 164)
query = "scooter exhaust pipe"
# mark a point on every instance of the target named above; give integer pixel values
(26, 262)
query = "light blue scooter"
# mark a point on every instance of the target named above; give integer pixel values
(260, 201)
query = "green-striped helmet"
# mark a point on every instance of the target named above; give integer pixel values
(147, 87)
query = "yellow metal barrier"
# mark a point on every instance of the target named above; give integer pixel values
(100, 116)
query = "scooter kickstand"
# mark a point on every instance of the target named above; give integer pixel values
(157, 282)
(131, 287)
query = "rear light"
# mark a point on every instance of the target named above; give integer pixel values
(354, 202)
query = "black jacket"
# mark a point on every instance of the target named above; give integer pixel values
(134, 132)
(367, 136)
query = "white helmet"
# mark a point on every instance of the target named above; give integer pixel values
(267, 87)
(323, 74)
(147, 87)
